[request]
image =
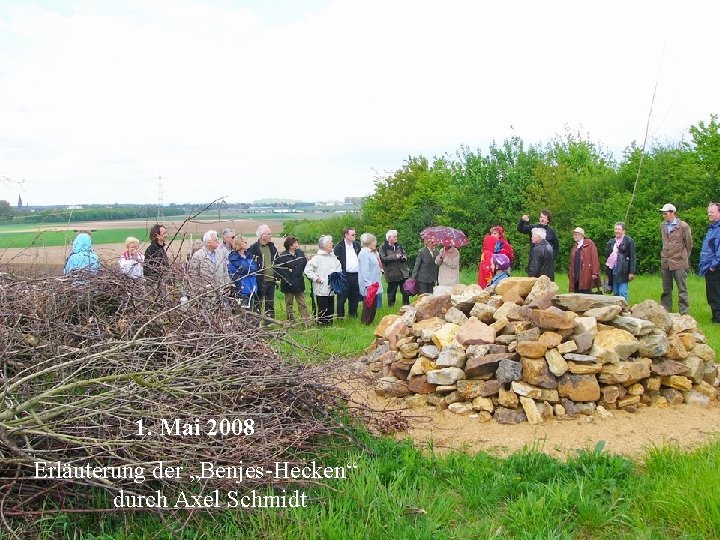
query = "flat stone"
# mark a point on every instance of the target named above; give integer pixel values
(453, 397)
(455, 316)
(696, 367)
(542, 288)
(665, 368)
(705, 352)
(531, 411)
(451, 357)
(426, 328)
(430, 351)
(509, 416)
(556, 363)
(505, 340)
(676, 349)
(483, 312)
(626, 373)
(678, 382)
(628, 401)
(418, 384)
(508, 371)
(580, 303)
(688, 340)
(584, 369)
(531, 349)
(579, 387)
(588, 409)
(470, 389)
(462, 408)
(613, 345)
(567, 347)
(385, 322)
(416, 401)
(446, 388)
(466, 299)
(654, 344)
(527, 390)
(706, 389)
(653, 312)
(475, 332)
(483, 404)
(445, 335)
(532, 334)
(391, 387)
(523, 285)
(535, 371)
(673, 396)
(409, 350)
(637, 327)
(604, 314)
(696, 398)
(445, 376)
(512, 296)
(478, 366)
(551, 320)
(584, 342)
(432, 306)
(651, 384)
(683, 323)
(581, 358)
(552, 339)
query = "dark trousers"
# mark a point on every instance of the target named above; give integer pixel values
(268, 298)
(425, 288)
(325, 309)
(392, 292)
(352, 295)
(712, 291)
(368, 313)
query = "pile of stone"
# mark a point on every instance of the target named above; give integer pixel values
(523, 352)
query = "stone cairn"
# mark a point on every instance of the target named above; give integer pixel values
(523, 352)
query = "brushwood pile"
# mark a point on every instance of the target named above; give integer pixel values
(522, 352)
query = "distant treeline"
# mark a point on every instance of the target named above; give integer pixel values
(91, 213)
(581, 185)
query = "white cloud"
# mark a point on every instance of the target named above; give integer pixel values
(96, 101)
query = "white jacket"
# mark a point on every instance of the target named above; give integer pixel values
(321, 266)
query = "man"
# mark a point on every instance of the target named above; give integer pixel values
(207, 266)
(584, 270)
(224, 249)
(264, 254)
(542, 259)
(544, 223)
(621, 260)
(710, 261)
(394, 260)
(347, 251)
(674, 258)
(156, 259)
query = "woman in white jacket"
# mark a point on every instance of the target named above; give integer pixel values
(318, 269)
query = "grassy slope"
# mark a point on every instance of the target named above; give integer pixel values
(397, 492)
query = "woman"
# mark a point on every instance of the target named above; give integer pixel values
(289, 267)
(394, 260)
(493, 243)
(243, 269)
(584, 270)
(448, 261)
(425, 271)
(318, 270)
(369, 273)
(82, 256)
(132, 259)
(499, 265)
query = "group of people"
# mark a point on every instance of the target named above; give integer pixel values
(252, 272)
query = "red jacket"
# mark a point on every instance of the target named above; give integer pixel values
(589, 265)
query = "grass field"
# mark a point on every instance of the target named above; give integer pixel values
(62, 238)
(401, 492)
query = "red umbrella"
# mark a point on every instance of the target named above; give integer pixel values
(447, 236)
(370, 294)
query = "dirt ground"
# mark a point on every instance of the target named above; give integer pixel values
(628, 434)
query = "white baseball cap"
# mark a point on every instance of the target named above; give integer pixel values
(668, 208)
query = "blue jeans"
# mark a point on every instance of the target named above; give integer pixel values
(620, 289)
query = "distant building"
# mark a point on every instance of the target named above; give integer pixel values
(19, 202)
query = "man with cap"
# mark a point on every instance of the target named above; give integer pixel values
(584, 270)
(710, 261)
(674, 258)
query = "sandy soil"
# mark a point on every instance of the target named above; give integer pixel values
(629, 434)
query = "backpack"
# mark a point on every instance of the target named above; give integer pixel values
(337, 282)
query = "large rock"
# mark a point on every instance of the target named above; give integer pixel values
(551, 320)
(508, 398)
(391, 387)
(665, 368)
(419, 384)
(535, 371)
(386, 321)
(483, 312)
(462, 408)
(580, 303)
(613, 345)
(604, 314)
(654, 344)
(696, 367)
(585, 369)
(543, 288)
(626, 373)
(508, 371)
(530, 334)
(523, 285)
(683, 323)
(451, 357)
(475, 332)
(470, 389)
(445, 335)
(421, 366)
(676, 349)
(509, 416)
(396, 331)
(455, 316)
(483, 404)
(426, 328)
(409, 350)
(531, 349)
(430, 351)
(477, 366)
(678, 382)
(637, 327)
(696, 398)
(579, 387)
(531, 411)
(466, 299)
(556, 363)
(445, 376)
(551, 339)
(653, 312)
(582, 358)
(705, 352)
(432, 306)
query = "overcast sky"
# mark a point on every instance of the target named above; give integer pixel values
(312, 99)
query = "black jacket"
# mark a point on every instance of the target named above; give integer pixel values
(156, 260)
(395, 269)
(289, 268)
(525, 227)
(542, 262)
(626, 259)
(425, 269)
(340, 252)
(255, 252)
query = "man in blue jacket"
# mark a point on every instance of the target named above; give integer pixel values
(710, 261)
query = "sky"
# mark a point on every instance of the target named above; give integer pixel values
(314, 100)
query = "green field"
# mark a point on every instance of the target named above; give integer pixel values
(62, 238)
(401, 492)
